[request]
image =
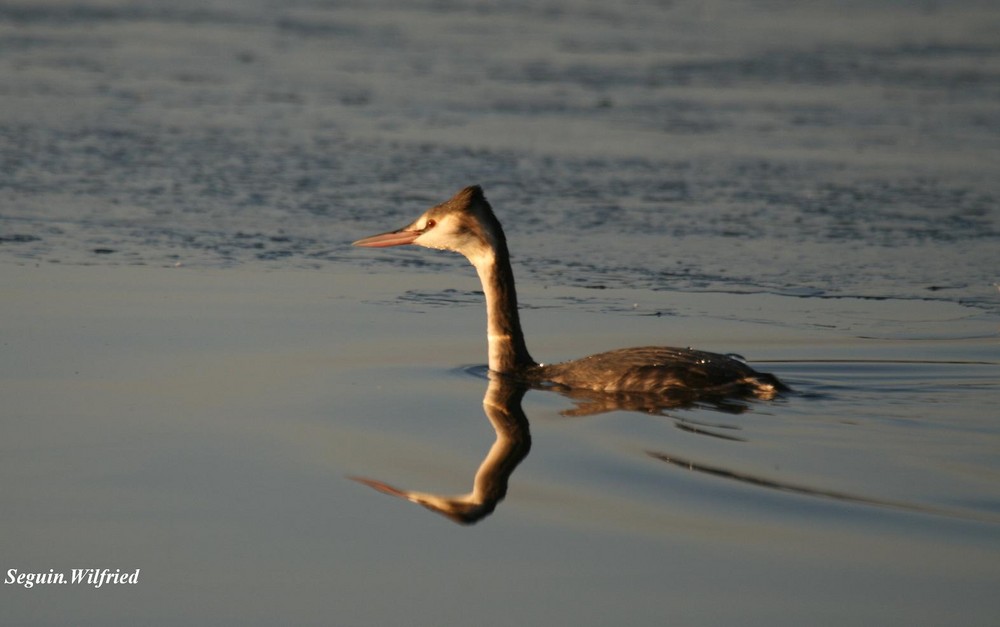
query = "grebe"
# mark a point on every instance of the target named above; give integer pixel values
(466, 224)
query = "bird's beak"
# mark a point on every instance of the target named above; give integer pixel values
(392, 238)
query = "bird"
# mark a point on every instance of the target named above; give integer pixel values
(466, 224)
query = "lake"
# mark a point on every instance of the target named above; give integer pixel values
(203, 381)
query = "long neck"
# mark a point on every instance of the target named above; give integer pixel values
(508, 352)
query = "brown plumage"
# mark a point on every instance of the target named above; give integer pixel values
(466, 224)
(661, 370)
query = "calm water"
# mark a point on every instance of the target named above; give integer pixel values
(194, 363)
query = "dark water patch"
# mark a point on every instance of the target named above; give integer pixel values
(441, 298)
(751, 198)
(27, 13)
(319, 24)
(17, 238)
(782, 486)
(710, 432)
(902, 65)
(599, 222)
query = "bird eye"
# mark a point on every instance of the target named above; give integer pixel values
(429, 225)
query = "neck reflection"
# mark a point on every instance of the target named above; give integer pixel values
(502, 405)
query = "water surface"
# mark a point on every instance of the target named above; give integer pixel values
(194, 363)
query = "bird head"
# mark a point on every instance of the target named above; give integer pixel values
(464, 224)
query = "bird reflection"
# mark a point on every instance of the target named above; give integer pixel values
(502, 405)
(591, 402)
